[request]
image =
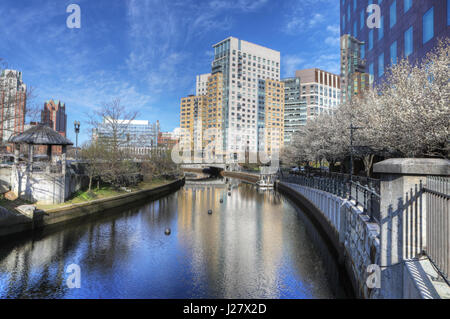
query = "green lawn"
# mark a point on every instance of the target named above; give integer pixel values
(103, 192)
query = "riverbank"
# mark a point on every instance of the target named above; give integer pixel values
(12, 222)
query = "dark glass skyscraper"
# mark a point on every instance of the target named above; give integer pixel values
(408, 28)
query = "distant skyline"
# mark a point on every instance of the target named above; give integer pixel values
(148, 52)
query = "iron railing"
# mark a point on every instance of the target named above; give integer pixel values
(437, 195)
(365, 196)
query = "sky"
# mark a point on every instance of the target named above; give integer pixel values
(148, 52)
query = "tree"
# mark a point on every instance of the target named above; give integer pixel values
(111, 127)
(408, 114)
(92, 154)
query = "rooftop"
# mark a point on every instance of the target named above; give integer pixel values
(40, 135)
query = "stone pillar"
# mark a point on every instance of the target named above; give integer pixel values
(64, 159)
(402, 215)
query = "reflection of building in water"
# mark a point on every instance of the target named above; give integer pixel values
(242, 233)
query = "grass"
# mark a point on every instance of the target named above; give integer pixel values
(103, 192)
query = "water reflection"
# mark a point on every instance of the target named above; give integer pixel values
(254, 245)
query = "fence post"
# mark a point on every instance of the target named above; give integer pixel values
(399, 177)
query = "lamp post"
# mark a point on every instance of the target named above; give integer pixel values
(77, 130)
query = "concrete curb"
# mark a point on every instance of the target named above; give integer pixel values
(75, 211)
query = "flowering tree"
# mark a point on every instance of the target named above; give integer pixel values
(407, 114)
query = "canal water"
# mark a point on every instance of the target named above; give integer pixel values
(253, 245)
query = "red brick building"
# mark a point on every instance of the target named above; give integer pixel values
(54, 116)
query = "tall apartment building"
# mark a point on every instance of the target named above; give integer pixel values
(54, 116)
(239, 105)
(270, 116)
(354, 79)
(13, 95)
(243, 65)
(191, 121)
(320, 90)
(294, 108)
(408, 28)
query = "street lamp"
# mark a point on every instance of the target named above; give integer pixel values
(76, 125)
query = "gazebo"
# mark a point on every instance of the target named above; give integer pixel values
(40, 135)
(47, 185)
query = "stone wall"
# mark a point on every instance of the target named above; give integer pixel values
(354, 239)
(44, 187)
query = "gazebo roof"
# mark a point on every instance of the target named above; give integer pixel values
(40, 135)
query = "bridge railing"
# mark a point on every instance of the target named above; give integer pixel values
(437, 192)
(363, 195)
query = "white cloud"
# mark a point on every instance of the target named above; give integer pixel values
(332, 41)
(290, 64)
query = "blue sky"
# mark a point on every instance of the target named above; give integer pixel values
(147, 52)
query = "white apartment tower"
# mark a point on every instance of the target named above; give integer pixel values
(243, 65)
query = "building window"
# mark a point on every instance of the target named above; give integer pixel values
(363, 51)
(370, 39)
(363, 17)
(393, 52)
(408, 5)
(381, 65)
(448, 12)
(355, 30)
(371, 69)
(409, 41)
(348, 13)
(381, 29)
(393, 14)
(428, 25)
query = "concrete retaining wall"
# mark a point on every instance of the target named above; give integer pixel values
(353, 240)
(17, 224)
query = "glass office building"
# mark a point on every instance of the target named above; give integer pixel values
(409, 28)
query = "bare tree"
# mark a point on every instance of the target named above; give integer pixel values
(111, 124)
(92, 154)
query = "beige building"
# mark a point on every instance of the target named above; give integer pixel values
(320, 90)
(271, 116)
(228, 107)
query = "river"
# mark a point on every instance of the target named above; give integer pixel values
(253, 245)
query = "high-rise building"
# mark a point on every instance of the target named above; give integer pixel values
(13, 96)
(191, 121)
(270, 116)
(354, 79)
(408, 28)
(54, 116)
(243, 65)
(136, 136)
(201, 85)
(294, 108)
(320, 90)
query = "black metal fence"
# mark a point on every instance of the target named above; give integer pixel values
(364, 191)
(437, 192)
